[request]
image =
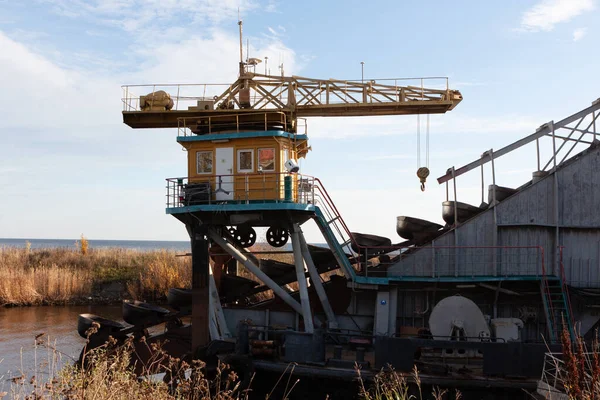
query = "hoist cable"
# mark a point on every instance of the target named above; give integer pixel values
(419, 140)
(427, 144)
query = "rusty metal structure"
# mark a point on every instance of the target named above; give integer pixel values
(487, 293)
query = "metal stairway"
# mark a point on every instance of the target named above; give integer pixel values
(556, 308)
(334, 229)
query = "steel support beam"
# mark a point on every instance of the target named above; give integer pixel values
(316, 281)
(200, 288)
(235, 253)
(219, 329)
(542, 131)
(302, 287)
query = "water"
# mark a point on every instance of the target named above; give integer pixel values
(178, 246)
(19, 326)
(18, 353)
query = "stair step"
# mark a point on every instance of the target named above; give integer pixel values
(333, 220)
(346, 243)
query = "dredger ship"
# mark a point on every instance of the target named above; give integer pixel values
(478, 301)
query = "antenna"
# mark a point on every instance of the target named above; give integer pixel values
(247, 49)
(240, 23)
(281, 65)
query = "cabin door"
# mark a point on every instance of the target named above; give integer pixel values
(224, 173)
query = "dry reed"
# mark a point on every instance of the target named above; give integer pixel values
(391, 385)
(68, 275)
(108, 374)
(579, 372)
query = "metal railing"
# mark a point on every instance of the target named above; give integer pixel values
(256, 121)
(274, 92)
(370, 261)
(452, 261)
(553, 373)
(429, 261)
(556, 377)
(267, 187)
(183, 95)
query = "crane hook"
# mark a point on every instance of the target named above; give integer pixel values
(422, 174)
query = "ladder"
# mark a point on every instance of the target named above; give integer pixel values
(556, 307)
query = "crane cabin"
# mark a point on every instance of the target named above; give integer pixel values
(241, 159)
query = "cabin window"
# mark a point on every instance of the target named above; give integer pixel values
(266, 159)
(204, 162)
(245, 160)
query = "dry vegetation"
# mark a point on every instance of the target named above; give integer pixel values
(108, 375)
(74, 275)
(579, 371)
(66, 275)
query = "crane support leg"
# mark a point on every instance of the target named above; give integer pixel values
(316, 281)
(235, 253)
(200, 288)
(302, 287)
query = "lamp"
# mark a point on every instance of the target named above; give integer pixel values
(291, 166)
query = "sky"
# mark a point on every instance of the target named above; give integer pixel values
(69, 166)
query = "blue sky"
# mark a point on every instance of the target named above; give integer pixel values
(69, 166)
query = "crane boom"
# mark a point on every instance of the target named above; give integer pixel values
(294, 96)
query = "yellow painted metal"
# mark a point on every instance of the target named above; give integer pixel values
(295, 97)
(251, 185)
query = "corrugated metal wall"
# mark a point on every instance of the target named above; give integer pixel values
(527, 219)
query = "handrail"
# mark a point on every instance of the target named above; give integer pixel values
(547, 129)
(305, 93)
(565, 288)
(214, 121)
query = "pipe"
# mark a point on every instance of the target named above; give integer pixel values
(302, 287)
(235, 253)
(316, 280)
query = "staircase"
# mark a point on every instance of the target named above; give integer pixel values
(334, 229)
(556, 307)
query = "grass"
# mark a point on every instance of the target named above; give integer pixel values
(71, 275)
(579, 370)
(107, 373)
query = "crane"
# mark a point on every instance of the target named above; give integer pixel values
(294, 96)
(270, 102)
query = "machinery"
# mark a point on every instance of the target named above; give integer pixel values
(494, 275)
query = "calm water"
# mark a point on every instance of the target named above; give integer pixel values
(20, 325)
(179, 246)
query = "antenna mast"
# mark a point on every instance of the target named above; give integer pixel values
(241, 46)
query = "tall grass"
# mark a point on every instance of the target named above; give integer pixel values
(579, 371)
(391, 385)
(163, 271)
(108, 374)
(68, 275)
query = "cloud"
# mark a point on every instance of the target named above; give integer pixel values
(547, 13)
(149, 15)
(271, 6)
(62, 127)
(579, 33)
